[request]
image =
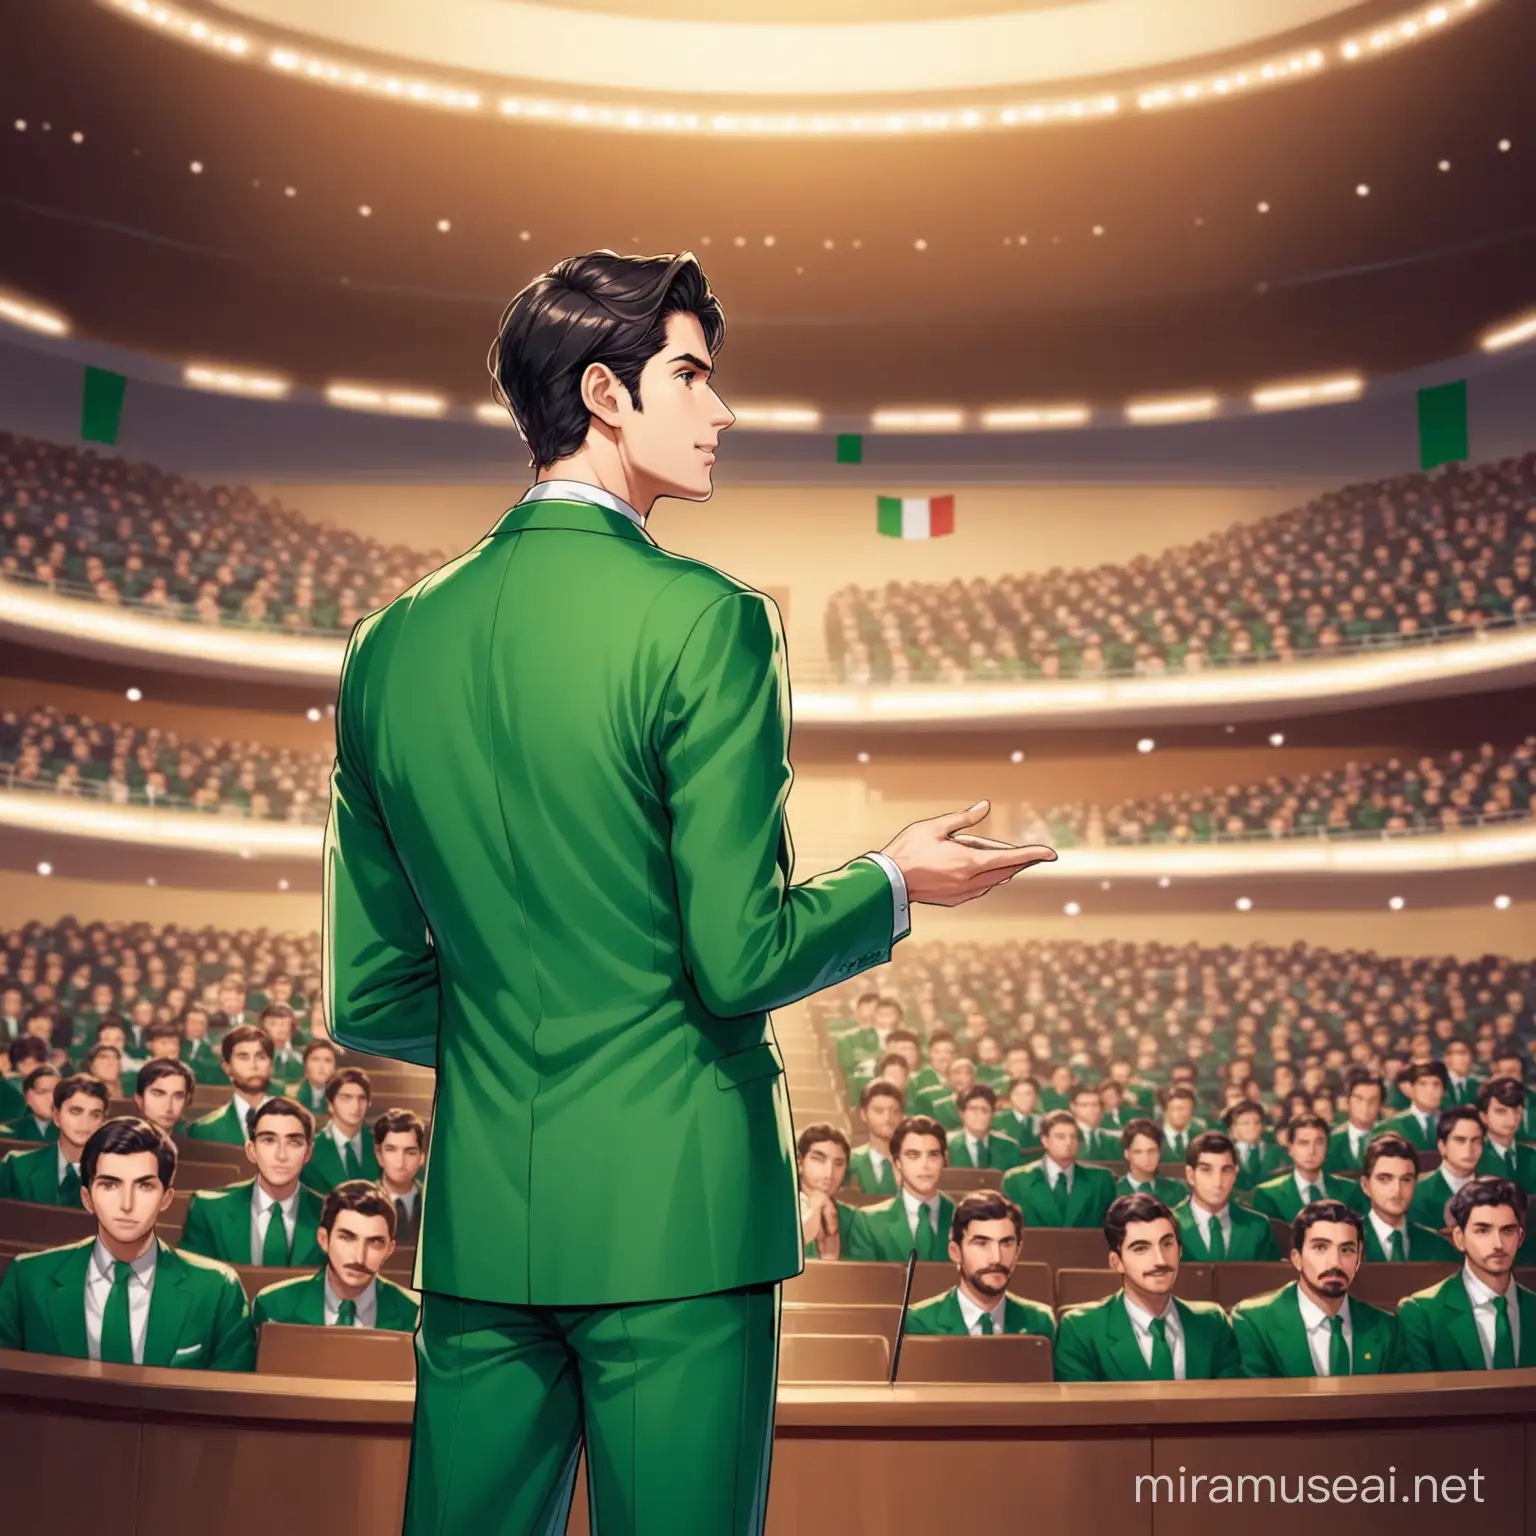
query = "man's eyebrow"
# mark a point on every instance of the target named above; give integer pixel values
(688, 357)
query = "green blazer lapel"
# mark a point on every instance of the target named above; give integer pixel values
(1290, 1333)
(1461, 1326)
(311, 1307)
(1199, 1364)
(898, 1233)
(1195, 1246)
(168, 1308)
(306, 1230)
(66, 1304)
(1120, 1341)
(1077, 1196)
(948, 1318)
(233, 1219)
(396, 1308)
(1371, 1331)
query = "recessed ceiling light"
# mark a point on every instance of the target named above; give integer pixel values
(1396, 903)
(863, 757)
(1016, 756)
(1502, 903)
(1263, 207)
(919, 244)
(1244, 903)
(1445, 165)
(1164, 882)
(1504, 146)
(1277, 739)
(524, 234)
(705, 240)
(312, 714)
(150, 880)
(45, 868)
(290, 191)
(1098, 229)
(857, 244)
(133, 695)
(1071, 909)
(21, 125)
(1199, 218)
(767, 239)
(365, 210)
(443, 226)
(739, 240)
(77, 137)
(1104, 885)
(1146, 744)
(1363, 190)
(826, 245)
(1007, 239)
(196, 167)
(1230, 729)
(282, 884)
(799, 271)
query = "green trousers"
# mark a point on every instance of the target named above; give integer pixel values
(674, 1401)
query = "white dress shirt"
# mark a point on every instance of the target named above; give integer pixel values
(367, 1305)
(1425, 1119)
(877, 1162)
(1319, 1329)
(98, 1286)
(1357, 1140)
(595, 495)
(1054, 1171)
(1173, 1332)
(262, 1206)
(343, 1142)
(972, 1314)
(973, 1146)
(1203, 1220)
(1481, 1299)
(1453, 1180)
(913, 1204)
(64, 1163)
(1304, 1184)
(1384, 1234)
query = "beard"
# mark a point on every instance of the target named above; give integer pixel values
(989, 1282)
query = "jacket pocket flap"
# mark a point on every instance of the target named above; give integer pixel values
(745, 1066)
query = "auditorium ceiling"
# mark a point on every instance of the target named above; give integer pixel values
(1375, 218)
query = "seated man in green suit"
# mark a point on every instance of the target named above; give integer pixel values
(400, 1145)
(23, 1055)
(984, 1237)
(280, 1022)
(1179, 1124)
(1479, 1319)
(867, 1042)
(319, 1068)
(1056, 1190)
(943, 1105)
(1257, 1159)
(357, 1236)
(50, 1175)
(977, 1144)
(162, 1090)
(35, 1122)
(1018, 1116)
(1389, 1178)
(246, 1054)
(197, 1049)
(870, 1168)
(1094, 1144)
(894, 1067)
(1460, 1085)
(821, 1156)
(1425, 1083)
(1144, 1332)
(1460, 1139)
(344, 1149)
(1346, 1146)
(934, 1076)
(1501, 1102)
(271, 1219)
(919, 1217)
(1509, 1061)
(1212, 1227)
(1287, 1194)
(1141, 1144)
(124, 1297)
(1312, 1327)
(1118, 1110)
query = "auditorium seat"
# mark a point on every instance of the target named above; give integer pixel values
(335, 1354)
(955, 1181)
(858, 1198)
(830, 1357)
(213, 1152)
(1064, 1247)
(824, 1282)
(813, 1317)
(1282, 1231)
(1428, 1161)
(1075, 1287)
(1011, 1357)
(1384, 1285)
(1239, 1280)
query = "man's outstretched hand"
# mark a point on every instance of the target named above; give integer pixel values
(944, 865)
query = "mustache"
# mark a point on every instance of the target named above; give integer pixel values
(1160, 1271)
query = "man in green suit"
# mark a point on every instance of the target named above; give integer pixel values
(280, 1023)
(1213, 1228)
(319, 1069)
(1460, 1085)
(1501, 1102)
(162, 1089)
(1141, 1144)
(1094, 1144)
(1144, 1332)
(1509, 1061)
(976, 1144)
(1056, 1190)
(400, 1145)
(1389, 1178)
(919, 1217)
(944, 1105)
(1425, 1083)
(870, 1169)
(197, 1050)
(357, 1236)
(934, 1076)
(246, 1054)
(1479, 1319)
(556, 869)
(1257, 1159)
(124, 1297)
(984, 1238)
(1287, 1194)
(1179, 1124)
(1018, 1117)
(1312, 1327)
(821, 1160)
(868, 1042)
(1460, 1137)
(50, 1175)
(344, 1149)
(35, 1122)
(1346, 1146)
(271, 1219)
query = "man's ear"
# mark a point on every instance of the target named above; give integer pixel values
(600, 391)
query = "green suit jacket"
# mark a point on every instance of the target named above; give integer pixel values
(24, 1128)
(1521, 1167)
(1096, 1342)
(325, 1170)
(1272, 1339)
(302, 1300)
(942, 1314)
(1423, 1245)
(1407, 1126)
(1252, 1236)
(32, 1176)
(1340, 1156)
(880, 1232)
(861, 1174)
(557, 869)
(1000, 1152)
(226, 1125)
(1430, 1197)
(1092, 1194)
(1025, 1132)
(219, 1226)
(198, 1317)
(1169, 1191)
(1279, 1196)
(1261, 1164)
(1440, 1331)
(204, 1060)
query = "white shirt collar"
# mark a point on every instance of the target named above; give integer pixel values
(263, 1200)
(1384, 1232)
(579, 490)
(367, 1302)
(143, 1267)
(1054, 1171)
(970, 1311)
(1203, 1217)
(1313, 1317)
(65, 1165)
(1455, 1180)
(1478, 1293)
(355, 1142)
(913, 1204)
(1303, 1183)
(1141, 1319)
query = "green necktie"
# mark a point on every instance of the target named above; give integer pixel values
(927, 1235)
(1059, 1194)
(274, 1247)
(349, 1162)
(346, 1315)
(116, 1336)
(1218, 1241)
(69, 1186)
(1338, 1349)
(1503, 1337)
(983, 1151)
(1162, 1356)
(1178, 1144)
(986, 1324)
(1313, 1193)
(1395, 1254)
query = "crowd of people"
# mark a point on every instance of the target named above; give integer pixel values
(124, 764)
(97, 525)
(1380, 563)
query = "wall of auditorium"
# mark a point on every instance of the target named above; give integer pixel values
(808, 541)
(1464, 932)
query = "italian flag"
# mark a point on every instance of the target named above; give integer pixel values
(915, 517)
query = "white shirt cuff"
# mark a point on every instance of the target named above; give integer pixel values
(901, 917)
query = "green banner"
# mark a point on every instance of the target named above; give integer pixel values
(101, 405)
(850, 448)
(1443, 424)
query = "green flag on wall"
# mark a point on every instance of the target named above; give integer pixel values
(101, 405)
(1443, 424)
(850, 448)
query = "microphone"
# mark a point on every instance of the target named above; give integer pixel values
(901, 1319)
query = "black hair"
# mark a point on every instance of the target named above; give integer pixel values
(321, 1045)
(920, 1125)
(25, 1046)
(124, 1136)
(1142, 1127)
(1325, 1210)
(891, 1058)
(1417, 1069)
(1053, 1119)
(1480, 1192)
(977, 1091)
(1307, 1122)
(344, 1075)
(1178, 1091)
(36, 1075)
(1448, 1119)
(1508, 1091)
(1215, 1142)
(152, 1071)
(1125, 1209)
(1080, 1088)
(939, 1036)
(243, 1034)
(984, 1205)
(814, 1134)
(394, 1121)
(1389, 1144)
(1244, 1106)
(905, 1035)
(880, 1088)
(279, 1106)
(363, 1196)
(67, 1087)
